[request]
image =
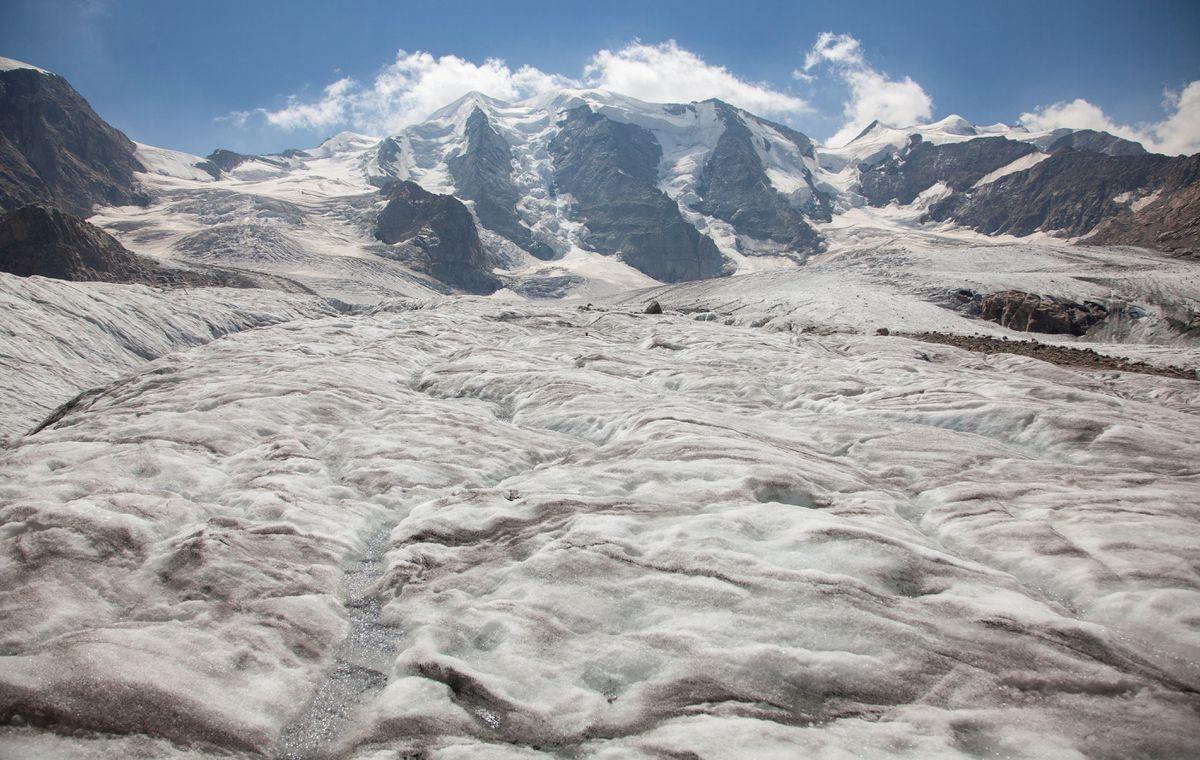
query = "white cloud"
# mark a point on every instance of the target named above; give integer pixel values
(1178, 133)
(405, 91)
(834, 48)
(417, 84)
(667, 73)
(872, 93)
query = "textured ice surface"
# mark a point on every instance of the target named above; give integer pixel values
(880, 278)
(58, 338)
(471, 528)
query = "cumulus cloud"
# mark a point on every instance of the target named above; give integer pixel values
(1178, 132)
(416, 84)
(406, 90)
(872, 94)
(667, 73)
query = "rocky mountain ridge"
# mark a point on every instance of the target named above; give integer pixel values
(581, 185)
(55, 149)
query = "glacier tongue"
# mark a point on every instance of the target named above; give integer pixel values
(611, 535)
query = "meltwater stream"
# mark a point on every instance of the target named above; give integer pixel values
(363, 661)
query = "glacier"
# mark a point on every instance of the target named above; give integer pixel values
(371, 518)
(461, 526)
(61, 338)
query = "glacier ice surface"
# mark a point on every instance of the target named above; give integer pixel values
(520, 530)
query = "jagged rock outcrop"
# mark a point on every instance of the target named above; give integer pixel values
(1069, 193)
(734, 187)
(47, 241)
(388, 162)
(1097, 142)
(1028, 312)
(54, 149)
(435, 234)
(611, 171)
(958, 165)
(483, 174)
(226, 160)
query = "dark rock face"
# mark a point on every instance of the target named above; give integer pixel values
(54, 148)
(611, 170)
(734, 187)
(435, 233)
(46, 241)
(226, 160)
(959, 165)
(1098, 142)
(387, 156)
(1028, 312)
(1069, 193)
(1171, 223)
(483, 174)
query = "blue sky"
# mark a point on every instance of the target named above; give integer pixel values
(173, 73)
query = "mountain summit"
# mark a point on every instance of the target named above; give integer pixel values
(575, 191)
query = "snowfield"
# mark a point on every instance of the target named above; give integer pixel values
(475, 528)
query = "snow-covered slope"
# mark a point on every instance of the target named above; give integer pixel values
(758, 525)
(308, 217)
(308, 214)
(464, 528)
(11, 64)
(764, 194)
(879, 140)
(59, 338)
(574, 192)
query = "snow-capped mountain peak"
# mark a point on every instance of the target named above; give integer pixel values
(579, 191)
(343, 142)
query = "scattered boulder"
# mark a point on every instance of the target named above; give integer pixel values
(1065, 356)
(654, 308)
